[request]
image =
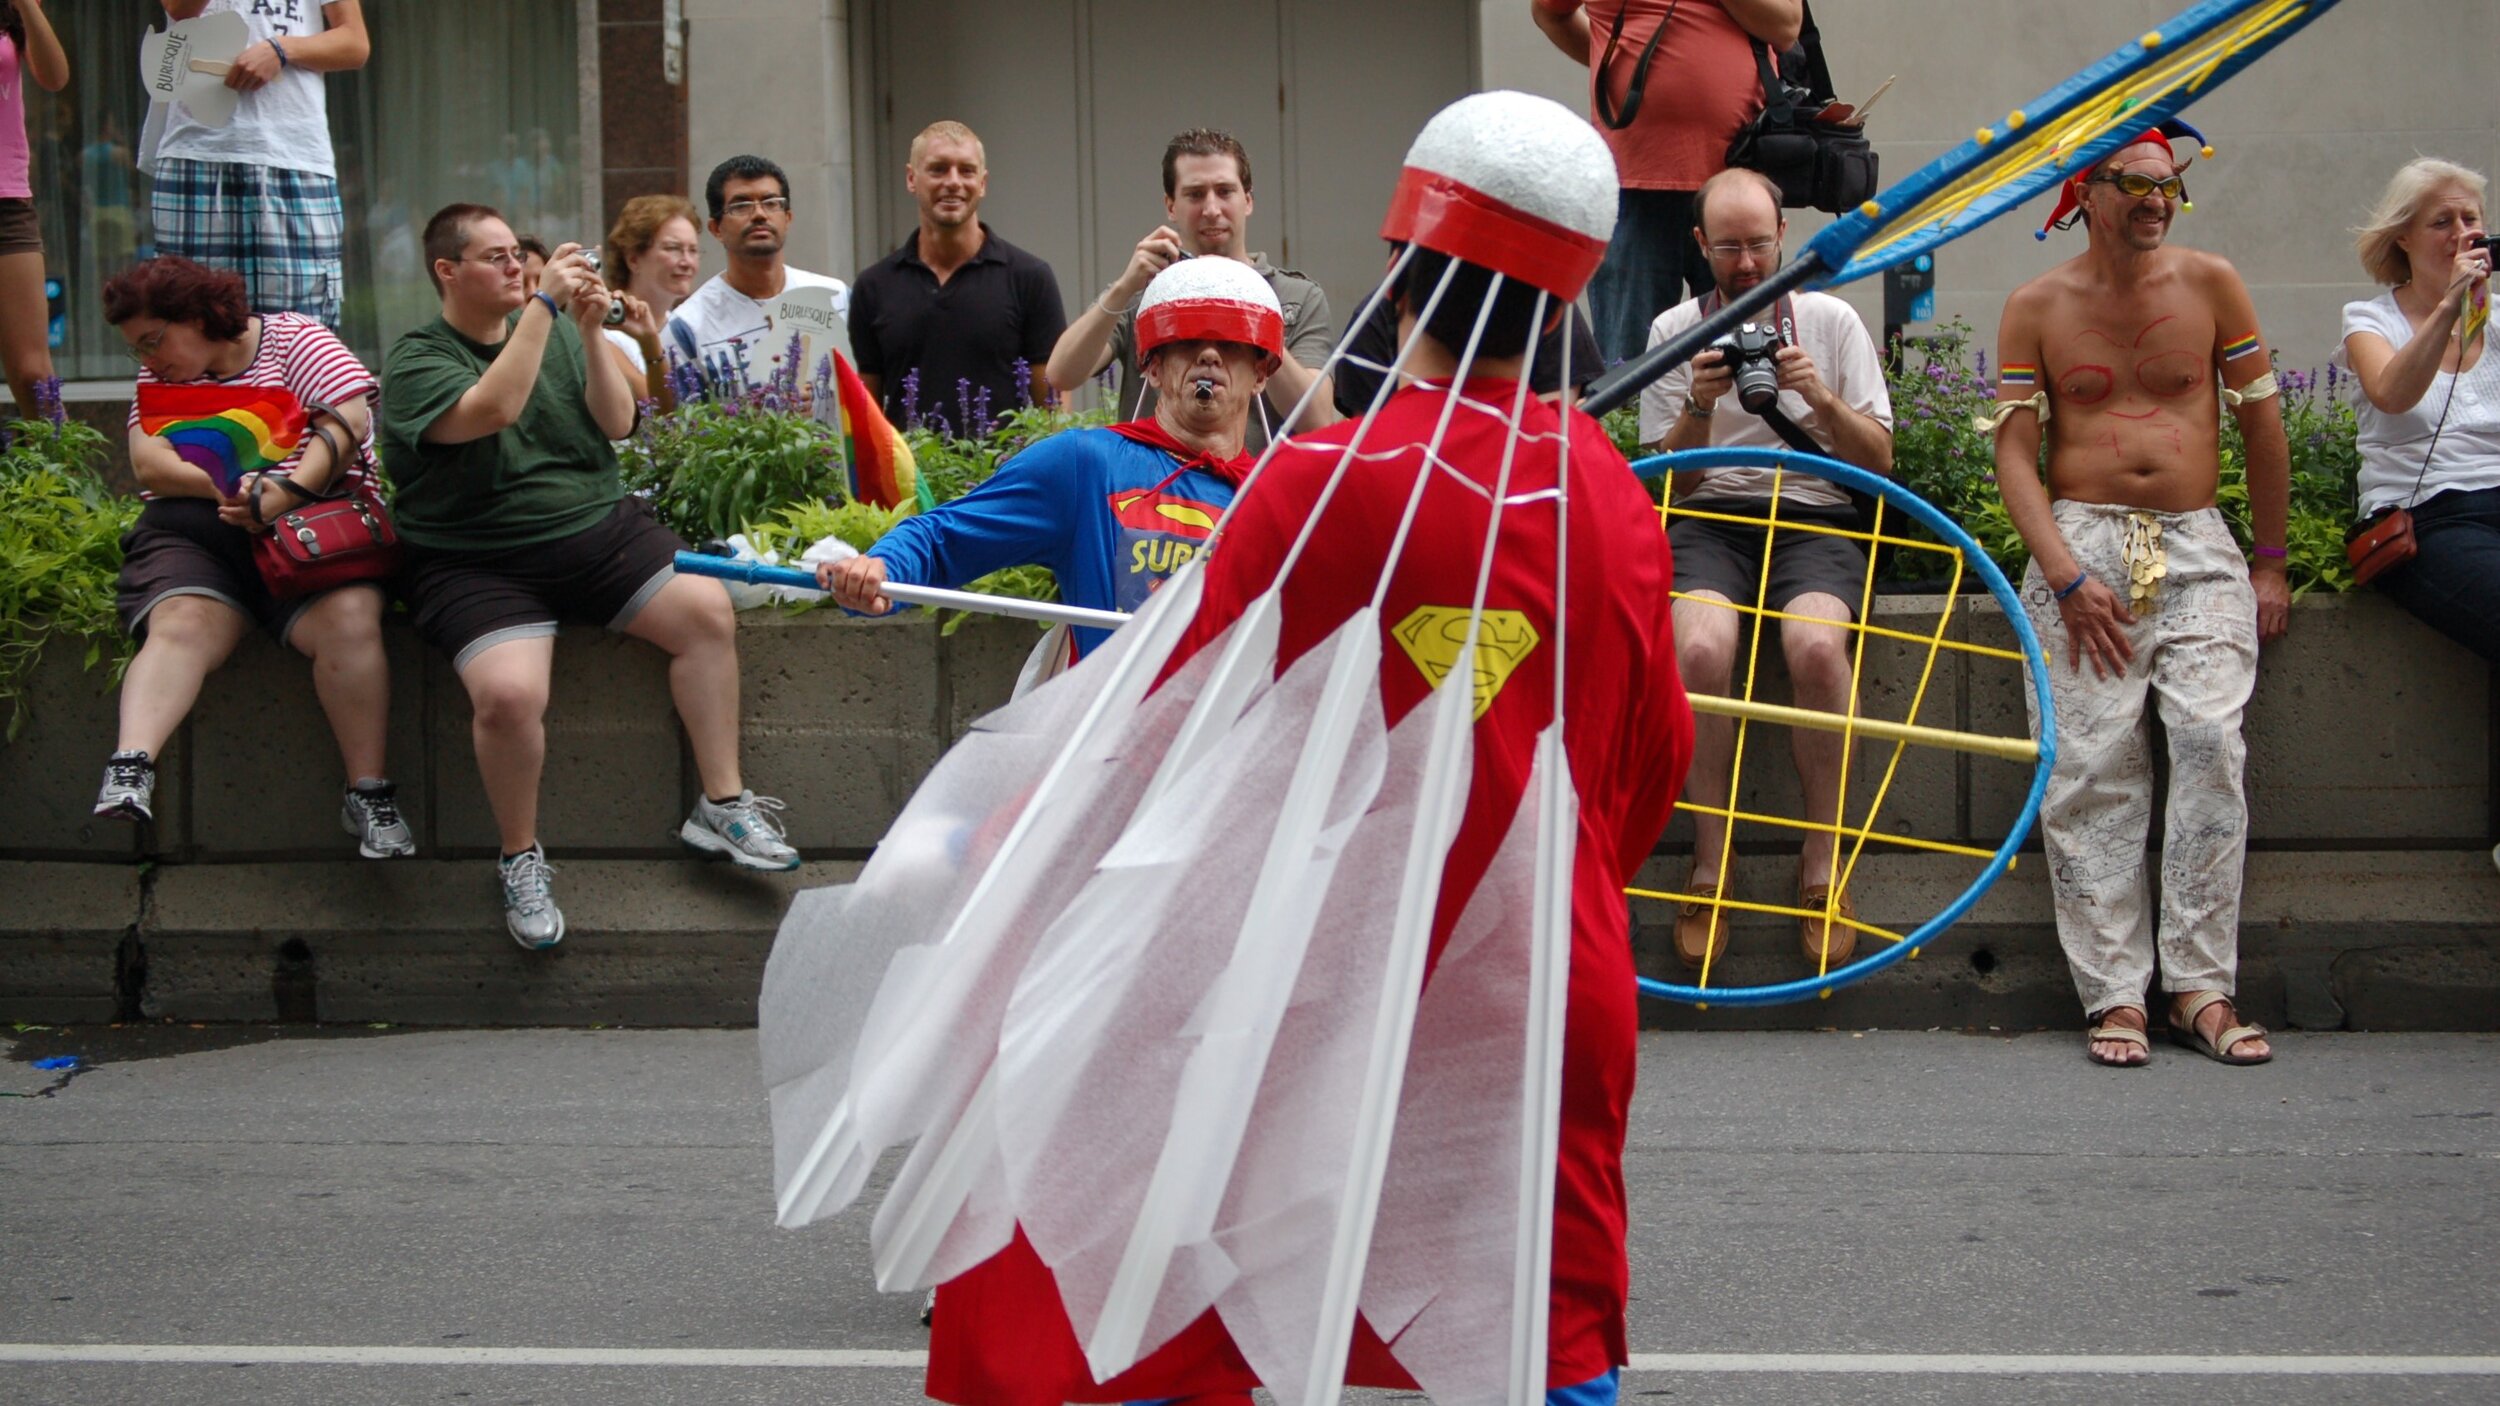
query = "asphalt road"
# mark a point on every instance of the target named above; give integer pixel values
(583, 1216)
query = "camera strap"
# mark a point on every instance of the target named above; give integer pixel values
(1632, 92)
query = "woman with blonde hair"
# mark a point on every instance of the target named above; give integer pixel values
(650, 260)
(2428, 402)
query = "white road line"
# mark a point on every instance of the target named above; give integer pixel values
(1694, 1363)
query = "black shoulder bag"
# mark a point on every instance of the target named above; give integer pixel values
(1817, 164)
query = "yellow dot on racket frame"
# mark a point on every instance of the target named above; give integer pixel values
(2014, 120)
(1915, 951)
(1870, 209)
(1986, 135)
(2152, 40)
(1825, 994)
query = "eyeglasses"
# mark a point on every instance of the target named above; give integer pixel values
(500, 258)
(2135, 185)
(146, 346)
(1759, 248)
(770, 205)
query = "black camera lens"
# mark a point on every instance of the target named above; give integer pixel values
(1751, 352)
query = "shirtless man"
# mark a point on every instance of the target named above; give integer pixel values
(2136, 581)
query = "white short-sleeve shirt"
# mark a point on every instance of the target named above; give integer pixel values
(2467, 455)
(286, 124)
(1844, 355)
(718, 318)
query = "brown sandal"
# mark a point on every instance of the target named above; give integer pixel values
(2221, 1048)
(2104, 1031)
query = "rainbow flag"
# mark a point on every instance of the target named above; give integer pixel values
(881, 467)
(228, 431)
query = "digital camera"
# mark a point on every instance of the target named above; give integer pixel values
(1751, 352)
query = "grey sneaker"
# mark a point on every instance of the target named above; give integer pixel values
(370, 812)
(745, 830)
(529, 907)
(129, 787)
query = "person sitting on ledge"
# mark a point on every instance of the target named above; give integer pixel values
(190, 587)
(498, 429)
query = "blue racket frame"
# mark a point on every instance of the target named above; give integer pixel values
(2002, 591)
(1829, 259)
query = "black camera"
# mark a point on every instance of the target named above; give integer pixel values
(1751, 351)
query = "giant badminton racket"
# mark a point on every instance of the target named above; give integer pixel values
(2038, 145)
(1908, 679)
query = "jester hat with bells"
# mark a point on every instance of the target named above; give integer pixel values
(1211, 300)
(2070, 195)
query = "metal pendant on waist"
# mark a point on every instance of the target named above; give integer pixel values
(2146, 562)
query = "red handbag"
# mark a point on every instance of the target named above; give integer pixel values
(335, 539)
(2387, 541)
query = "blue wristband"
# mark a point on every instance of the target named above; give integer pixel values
(280, 50)
(552, 310)
(2071, 586)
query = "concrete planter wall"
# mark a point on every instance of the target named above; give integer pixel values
(2371, 896)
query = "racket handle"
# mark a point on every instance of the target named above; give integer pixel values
(756, 573)
(211, 66)
(1618, 386)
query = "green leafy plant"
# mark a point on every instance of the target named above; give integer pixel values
(711, 467)
(60, 547)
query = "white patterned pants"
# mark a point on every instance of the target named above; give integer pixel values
(2196, 658)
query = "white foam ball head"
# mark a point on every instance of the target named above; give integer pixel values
(1213, 298)
(1530, 153)
(1230, 280)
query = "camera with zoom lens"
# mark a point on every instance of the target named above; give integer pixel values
(1751, 352)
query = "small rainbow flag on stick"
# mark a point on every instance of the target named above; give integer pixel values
(882, 471)
(228, 431)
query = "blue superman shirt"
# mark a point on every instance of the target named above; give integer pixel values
(1112, 513)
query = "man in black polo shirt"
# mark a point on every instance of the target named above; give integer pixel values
(959, 305)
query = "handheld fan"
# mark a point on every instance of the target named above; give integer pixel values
(227, 431)
(186, 63)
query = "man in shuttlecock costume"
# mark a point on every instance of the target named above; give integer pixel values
(1112, 512)
(1258, 996)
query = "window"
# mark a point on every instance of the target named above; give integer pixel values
(463, 100)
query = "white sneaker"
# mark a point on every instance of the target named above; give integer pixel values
(370, 812)
(129, 787)
(745, 830)
(529, 906)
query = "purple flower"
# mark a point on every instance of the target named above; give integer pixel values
(48, 401)
(911, 399)
(1024, 383)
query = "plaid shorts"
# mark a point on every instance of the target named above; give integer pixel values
(282, 230)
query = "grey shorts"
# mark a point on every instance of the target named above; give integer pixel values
(1726, 557)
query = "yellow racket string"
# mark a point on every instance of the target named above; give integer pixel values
(1834, 827)
(1777, 910)
(1736, 760)
(2048, 144)
(1826, 529)
(1881, 631)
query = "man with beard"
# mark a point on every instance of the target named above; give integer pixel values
(729, 320)
(2111, 359)
(1815, 579)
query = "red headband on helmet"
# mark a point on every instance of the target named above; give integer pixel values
(1465, 223)
(1210, 320)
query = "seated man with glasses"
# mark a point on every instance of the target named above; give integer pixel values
(2119, 361)
(497, 430)
(1831, 386)
(729, 320)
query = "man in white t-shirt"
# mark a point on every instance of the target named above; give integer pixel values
(1831, 387)
(728, 322)
(260, 195)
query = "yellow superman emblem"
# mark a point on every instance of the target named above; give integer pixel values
(1432, 636)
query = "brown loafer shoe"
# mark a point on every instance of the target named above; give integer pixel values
(1827, 942)
(1701, 928)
